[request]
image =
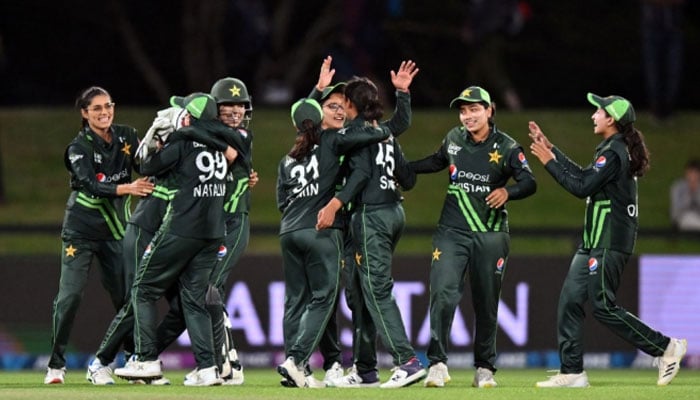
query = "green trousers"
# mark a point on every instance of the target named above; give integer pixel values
(594, 275)
(235, 243)
(376, 231)
(481, 259)
(170, 260)
(364, 336)
(77, 256)
(121, 328)
(312, 262)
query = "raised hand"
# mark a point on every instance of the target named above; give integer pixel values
(325, 77)
(537, 135)
(540, 147)
(402, 79)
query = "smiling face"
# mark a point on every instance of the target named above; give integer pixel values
(232, 114)
(333, 112)
(99, 114)
(603, 124)
(475, 118)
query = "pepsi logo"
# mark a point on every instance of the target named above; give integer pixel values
(522, 158)
(222, 251)
(101, 177)
(453, 172)
(500, 263)
(600, 162)
(592, 264)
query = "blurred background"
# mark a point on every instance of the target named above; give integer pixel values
(537, 58)
(548, 53)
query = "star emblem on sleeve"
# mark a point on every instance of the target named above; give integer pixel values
(358, 258)
(436, 254)
(126, 149)
(495, 157)
(235, 91)
(70, 251)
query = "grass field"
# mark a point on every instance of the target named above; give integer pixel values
(32, 142)
(628, 384)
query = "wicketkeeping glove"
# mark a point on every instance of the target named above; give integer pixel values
(166, 122)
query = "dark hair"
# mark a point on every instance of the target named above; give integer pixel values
(363, 93)
(693, 163)
(307, 137)
(83, 101)
(639, 154)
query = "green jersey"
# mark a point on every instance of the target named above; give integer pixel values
(475, 169)
(378, 171)
(305, 186)
(150, 210)
(198, 172)
(610, 191)
(237, 191)
(238, 173)
(94, 211)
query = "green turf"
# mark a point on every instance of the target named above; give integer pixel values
(627, 384)
(32, 142)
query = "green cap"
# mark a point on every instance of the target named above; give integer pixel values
(337, 88)
(305, 109)
(200, 105)
(472, 94)
(618, 107)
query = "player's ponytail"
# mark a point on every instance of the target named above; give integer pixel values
(639, 154)
(307, 138)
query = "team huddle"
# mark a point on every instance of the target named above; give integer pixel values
(339, 194)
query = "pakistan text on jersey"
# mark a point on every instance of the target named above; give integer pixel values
(469, 188)
(209, 190)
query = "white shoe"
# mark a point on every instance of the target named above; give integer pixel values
(292, 372)
(333, 373)
(405, 374)
(483, 378)
(99, 374)
(565, 381)
(236, 376)
(155, 382)
(135, 369)
(233, 370)
(670, 361)
(55, 376)
(163, 381)
(313, 383)
(355, 380)
(204, 377)
(438, 375)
